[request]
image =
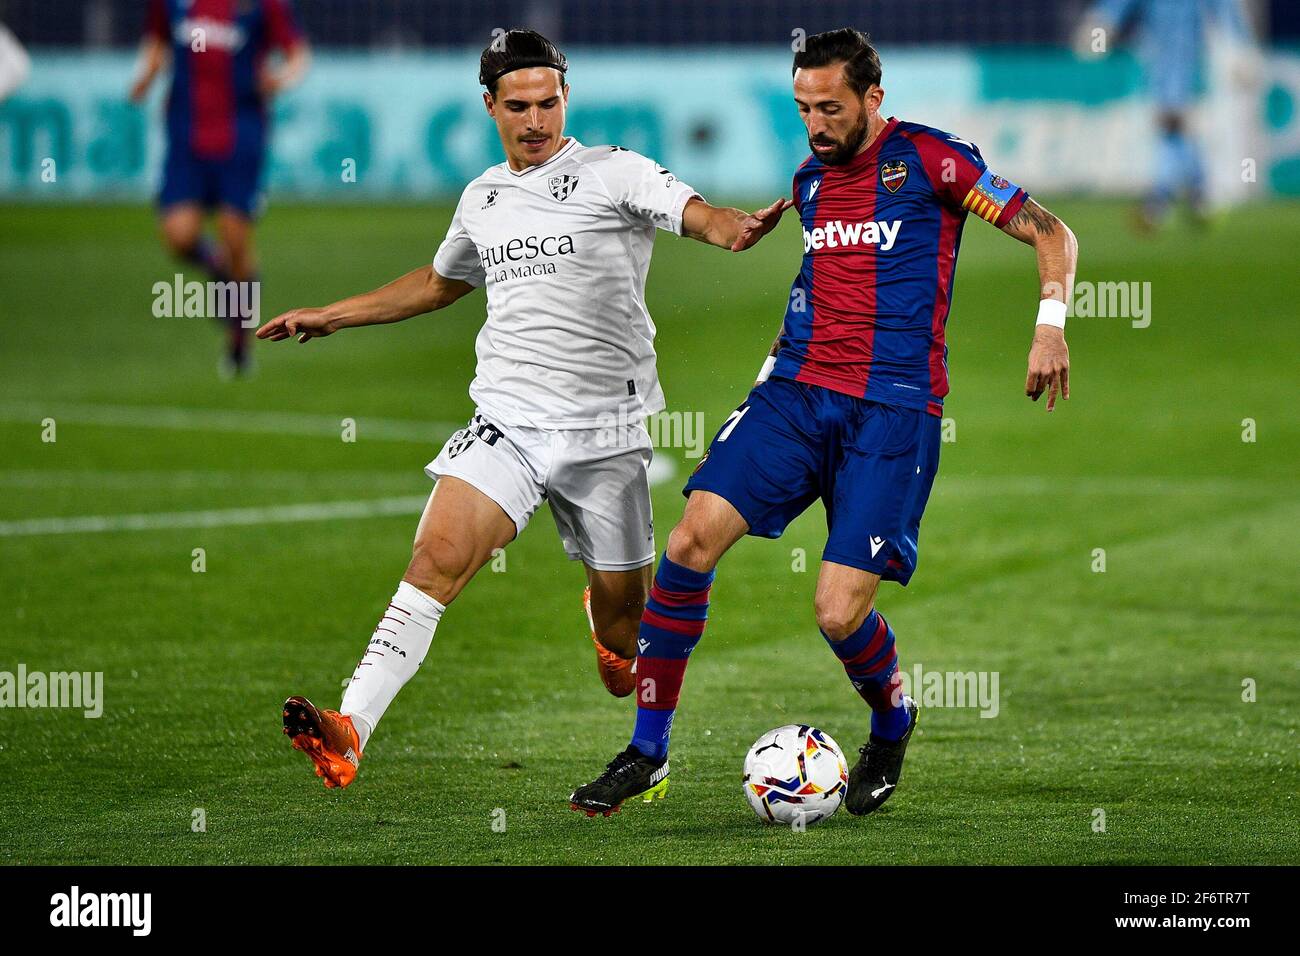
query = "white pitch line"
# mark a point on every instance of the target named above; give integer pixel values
(182, 479)
(661, 469)
(1118, 485)
(227, 517)
(310, 424)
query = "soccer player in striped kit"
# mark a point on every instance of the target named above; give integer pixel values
(218, 129)
(847, 408)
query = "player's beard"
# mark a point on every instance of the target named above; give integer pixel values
(846, 150)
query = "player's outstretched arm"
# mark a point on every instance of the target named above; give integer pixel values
(1058, 258)
(419, 291)
(730, 228)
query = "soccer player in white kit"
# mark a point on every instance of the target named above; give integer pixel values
(560, 235)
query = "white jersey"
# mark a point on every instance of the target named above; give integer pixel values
(563, 249)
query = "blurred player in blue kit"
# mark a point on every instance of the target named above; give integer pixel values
(1172, 42)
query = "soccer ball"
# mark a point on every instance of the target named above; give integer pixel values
(795, 773)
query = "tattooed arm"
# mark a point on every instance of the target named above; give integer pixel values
(1058, 256)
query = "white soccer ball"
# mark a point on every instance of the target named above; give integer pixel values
(795, 773)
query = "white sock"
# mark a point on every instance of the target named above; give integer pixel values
(395, 652)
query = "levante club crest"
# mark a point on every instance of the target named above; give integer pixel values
(893, 175)
(562, 186)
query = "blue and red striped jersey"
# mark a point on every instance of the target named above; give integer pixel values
(869, 307)
(218, 47)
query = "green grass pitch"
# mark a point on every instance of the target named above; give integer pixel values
(1120, 691)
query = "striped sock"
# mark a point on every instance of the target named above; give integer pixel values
(671, 626)
(871, 662)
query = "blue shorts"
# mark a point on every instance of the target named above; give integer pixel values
(235, 182)
(871, 464)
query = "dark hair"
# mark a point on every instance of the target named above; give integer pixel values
(517, 50)
(848, 46)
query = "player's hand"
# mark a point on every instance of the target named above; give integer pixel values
(139, 90)
(757, 225)
(1049, 365)
(307, 324)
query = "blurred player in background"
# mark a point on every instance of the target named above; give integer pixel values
(560, 235)
(15, 64)
(218, 128)
(1173, 36)
(848, 406)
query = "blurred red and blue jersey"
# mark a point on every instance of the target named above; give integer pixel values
(868, 309)
(218, 46)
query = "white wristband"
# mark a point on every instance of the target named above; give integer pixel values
(1051, 312)
(769, 363)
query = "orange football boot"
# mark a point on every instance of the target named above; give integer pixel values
(617, 673)
(327, 737)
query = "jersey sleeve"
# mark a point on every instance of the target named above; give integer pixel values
(155, 23)
(282, 30)
(644, 190)
(794, 187)
(962, 180)
(457, 257)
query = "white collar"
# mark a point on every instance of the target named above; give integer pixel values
(568, 147)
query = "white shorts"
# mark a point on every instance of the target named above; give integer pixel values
(596, 484)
